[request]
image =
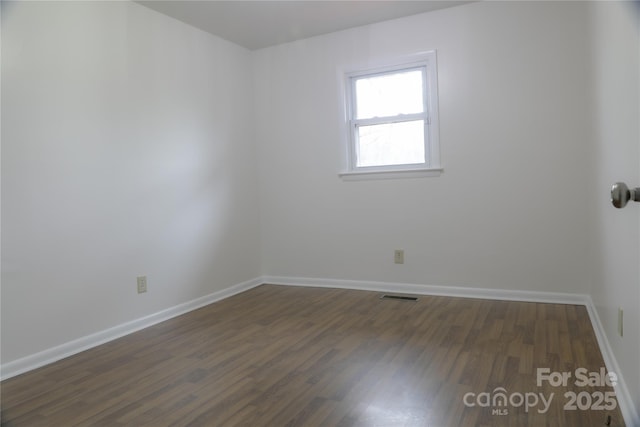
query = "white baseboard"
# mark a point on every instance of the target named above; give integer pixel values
(627, 407)
(70, 348)
(451, 291)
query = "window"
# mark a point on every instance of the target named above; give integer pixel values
(392, 118)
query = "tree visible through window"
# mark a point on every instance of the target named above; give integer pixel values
(391, 117)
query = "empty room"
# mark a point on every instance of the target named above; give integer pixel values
(320, 213)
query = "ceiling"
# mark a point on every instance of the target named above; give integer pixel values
(259, 24)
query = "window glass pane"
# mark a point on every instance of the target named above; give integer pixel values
(391, 144)
(389, 94)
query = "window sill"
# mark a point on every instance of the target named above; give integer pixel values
(391, 174)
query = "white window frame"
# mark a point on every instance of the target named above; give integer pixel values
(431, 167)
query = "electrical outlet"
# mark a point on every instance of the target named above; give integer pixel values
(620, 328)
(142, 284)
(398, 256)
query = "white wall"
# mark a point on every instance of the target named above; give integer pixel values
(616, 279)
(125, 152)
(507, 213)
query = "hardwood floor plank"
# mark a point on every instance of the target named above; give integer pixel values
(289, 356)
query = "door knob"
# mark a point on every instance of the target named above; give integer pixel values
(621, 194)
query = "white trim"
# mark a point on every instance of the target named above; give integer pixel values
(417, 289)
(399, 118)
(625, 402)
(426, 62)
(362, 175)
(28, 363)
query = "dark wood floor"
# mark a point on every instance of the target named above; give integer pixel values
(288, 356)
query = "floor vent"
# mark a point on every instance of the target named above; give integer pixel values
(399, 297)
